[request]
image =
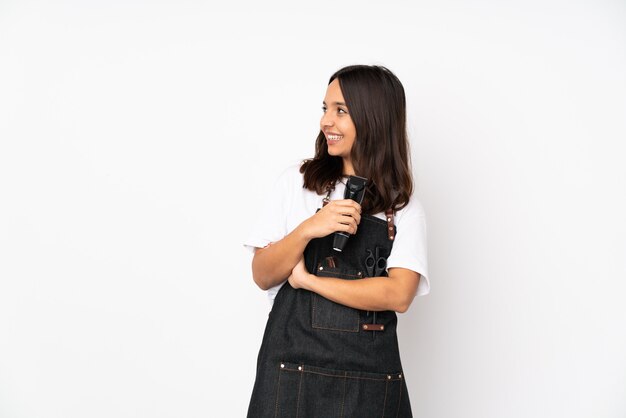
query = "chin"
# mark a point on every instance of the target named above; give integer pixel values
(335, 153)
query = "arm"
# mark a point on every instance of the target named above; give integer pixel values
(270, 265)
(273, 265)
(394, 293)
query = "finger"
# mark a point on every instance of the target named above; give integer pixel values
(348, 202)
(347, 224)
(356, 214)
(351, 229)
(345, 207)
(348, 228)
(293, 283)
(353, 213)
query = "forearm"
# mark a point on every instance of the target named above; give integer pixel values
(371, 294)
(272, 265)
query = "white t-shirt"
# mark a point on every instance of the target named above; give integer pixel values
(288, 204)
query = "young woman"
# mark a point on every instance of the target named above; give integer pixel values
(330, 346)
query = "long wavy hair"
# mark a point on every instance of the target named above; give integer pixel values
(377, 104)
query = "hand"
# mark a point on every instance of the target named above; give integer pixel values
(300, 277)
(338, 215)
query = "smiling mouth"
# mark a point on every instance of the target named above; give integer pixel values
(334, 138)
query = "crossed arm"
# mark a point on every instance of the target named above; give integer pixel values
(271, 265)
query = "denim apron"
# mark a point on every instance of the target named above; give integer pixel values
(320, 359)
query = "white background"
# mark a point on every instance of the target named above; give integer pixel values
(137, 138)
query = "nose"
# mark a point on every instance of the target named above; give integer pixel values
(327, 120)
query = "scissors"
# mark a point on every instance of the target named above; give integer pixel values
(375, 266)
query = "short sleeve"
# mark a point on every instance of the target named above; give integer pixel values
(271, 224)
(409, 248)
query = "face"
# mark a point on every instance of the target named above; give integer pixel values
(337, 125)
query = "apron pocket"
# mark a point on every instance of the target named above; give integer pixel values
(309, 391)
(326, 314)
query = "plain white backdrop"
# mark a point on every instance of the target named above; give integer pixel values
(138, 137)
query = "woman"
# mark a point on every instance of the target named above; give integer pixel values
(330, 346)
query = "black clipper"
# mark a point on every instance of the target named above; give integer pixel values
(355, 190)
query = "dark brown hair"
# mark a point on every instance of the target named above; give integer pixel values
(377, 105)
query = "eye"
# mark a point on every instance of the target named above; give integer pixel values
(341, 110)
(324, 109)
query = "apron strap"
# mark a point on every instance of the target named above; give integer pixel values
(329, 188)
(390, 231)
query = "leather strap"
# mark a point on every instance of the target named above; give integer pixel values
(330, 262)
(373, 327)
(390, 230)
(326, 199)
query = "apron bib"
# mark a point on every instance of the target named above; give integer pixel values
(320, 359)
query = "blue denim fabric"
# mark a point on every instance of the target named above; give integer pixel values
(316, 360)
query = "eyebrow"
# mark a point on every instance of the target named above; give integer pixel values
(336, 103)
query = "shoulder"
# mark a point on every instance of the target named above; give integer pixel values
(290, 176)
(289, 182)
(413, 210)
(291, 172)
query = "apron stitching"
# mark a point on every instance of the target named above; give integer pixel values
(385, 400)
(298, 401)
(277, 393)
(345, 376)
(336, 329)
(313, 313)
(315, 325)
(343, 398)
(399, 399)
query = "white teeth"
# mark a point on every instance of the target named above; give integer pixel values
(334, 137)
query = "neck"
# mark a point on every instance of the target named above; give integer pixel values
(348, 169)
